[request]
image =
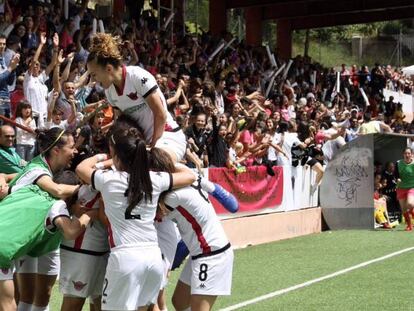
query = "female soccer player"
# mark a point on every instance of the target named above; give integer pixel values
(31, 218)
(36, 276)
(135, 92)
(83, 260)
(405, 185)
(208, 273)
(130, 193)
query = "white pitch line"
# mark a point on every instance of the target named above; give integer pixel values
(305, 284)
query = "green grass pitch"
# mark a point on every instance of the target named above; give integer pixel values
(259, 270)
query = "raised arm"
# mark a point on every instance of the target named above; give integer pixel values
(66, 71)
(56, 72)
(52, 64)
(52, 104)
(82, 80)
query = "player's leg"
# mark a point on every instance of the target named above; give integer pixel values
(72, 303)
(26, 269)
(47, 272)
(181, 298)
(96, 305)
(402, 195)
(202, 302)
(7, 301)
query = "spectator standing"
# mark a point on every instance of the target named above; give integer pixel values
(25, 141)
(34, 85)
(10, 161)
(7, 76)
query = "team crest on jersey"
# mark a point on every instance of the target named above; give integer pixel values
(133, 96)
(79, 285)
(144, 80)
(5, 271)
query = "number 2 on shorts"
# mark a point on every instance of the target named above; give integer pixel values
(104, 289)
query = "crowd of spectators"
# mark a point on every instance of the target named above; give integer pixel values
(220, 102)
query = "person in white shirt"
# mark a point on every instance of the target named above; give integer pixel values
(25, 141)
(208, 272)
(83, 260)
(34, 84)
(130, 194)
(135, 92)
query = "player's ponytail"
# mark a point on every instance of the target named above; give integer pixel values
(130, 150)
(140, 185)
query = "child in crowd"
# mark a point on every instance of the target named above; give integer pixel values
(25, 141)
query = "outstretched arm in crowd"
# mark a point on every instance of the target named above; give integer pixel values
(66, 71)
(176, 97)
(56, 72)
(72, 117)
(52, 104)
(8, 75)
(83, 80)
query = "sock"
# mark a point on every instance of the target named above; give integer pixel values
(188, 309)
(36, 308)
(407, 220)
(22, 306)
(207, 185)
(225, 198)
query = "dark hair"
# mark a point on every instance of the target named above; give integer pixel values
(160, 160)
(22, 105)
(50, 138)
(67, 177)
(131, 151)
(367, 117)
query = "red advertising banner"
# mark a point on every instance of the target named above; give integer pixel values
(254, 189)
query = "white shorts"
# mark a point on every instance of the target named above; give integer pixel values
(211, 275)
(6, 273)
(175, 141)
(47, 264)
(133, 278)
(168, 238)
(81, 275)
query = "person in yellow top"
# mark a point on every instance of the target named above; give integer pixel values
(373, 126)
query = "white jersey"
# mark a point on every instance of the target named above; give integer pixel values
(138, 84)
(136, 228)
(196, 220)
(57, 210)
(95, 237)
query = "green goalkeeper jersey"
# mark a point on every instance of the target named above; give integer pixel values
(406, 172)
(27, 224)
